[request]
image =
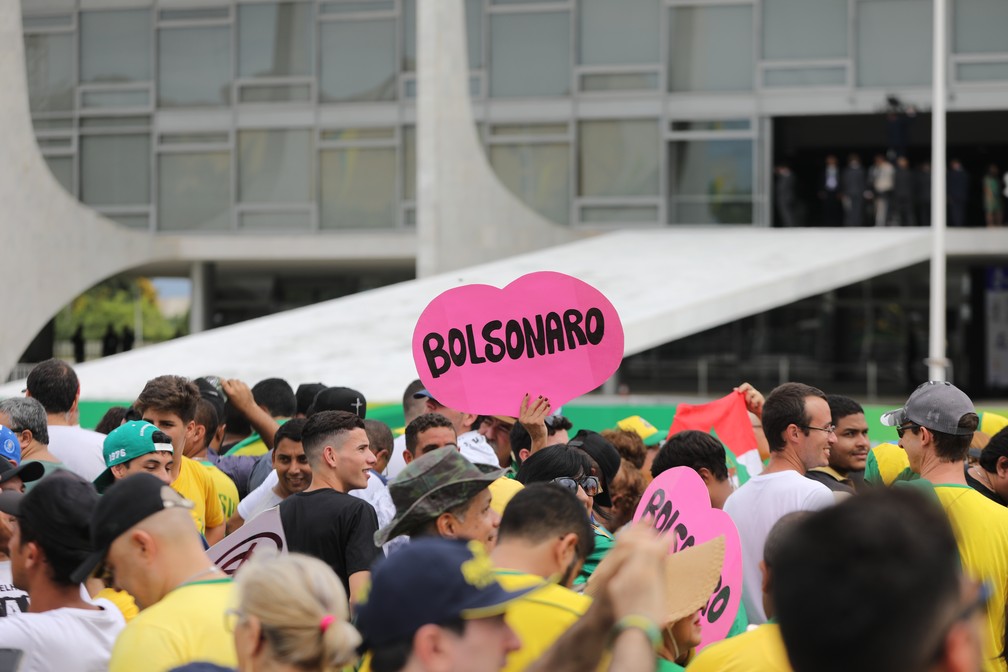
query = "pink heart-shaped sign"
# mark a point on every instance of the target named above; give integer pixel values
(677, 504)
(480, 349)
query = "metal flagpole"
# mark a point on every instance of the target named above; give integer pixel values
(937, 364)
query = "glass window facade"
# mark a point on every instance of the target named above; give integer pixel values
(804, 29)
(358, 188)
(579, 99)
(530, 54)
(194, 66)
(275, 40)
(49, 59)
(358, 60)
(619, 33)
(194, 191)
(619, 158)
(275, 166)
(710, 48)
(894, 43)
(115, 46)
(115, 169)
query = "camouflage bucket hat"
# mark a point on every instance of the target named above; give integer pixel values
(430, 485)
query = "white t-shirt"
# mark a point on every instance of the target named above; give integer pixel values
(80, 450)
(754, 508)
(64, 639)
(260, 499)
(377, 495)
(13, 601)
(472, 445)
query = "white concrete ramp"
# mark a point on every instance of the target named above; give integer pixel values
(666, 284)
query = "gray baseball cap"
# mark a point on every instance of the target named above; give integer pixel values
(937, 405)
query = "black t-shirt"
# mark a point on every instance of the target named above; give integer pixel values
(334, 527)
(981, 488)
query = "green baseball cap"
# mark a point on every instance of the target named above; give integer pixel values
(128, 441)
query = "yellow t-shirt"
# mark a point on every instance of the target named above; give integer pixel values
(539, 617)
(758, 650)
(981, 531)
(227, 491)
(186, 626)
(122, 600)
(196, 485)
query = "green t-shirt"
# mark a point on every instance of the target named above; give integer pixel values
(603, 542)
(740, 623)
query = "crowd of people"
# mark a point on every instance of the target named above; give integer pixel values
(479, 543)
(887, 193)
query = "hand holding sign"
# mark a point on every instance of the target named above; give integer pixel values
(677, 504)
(479, 349)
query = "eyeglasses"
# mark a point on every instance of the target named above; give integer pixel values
(591, 484)
(902, 429)
(829, 429)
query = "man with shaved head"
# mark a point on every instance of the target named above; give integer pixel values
(144, 543)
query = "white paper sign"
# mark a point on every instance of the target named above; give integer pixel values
(264, 532)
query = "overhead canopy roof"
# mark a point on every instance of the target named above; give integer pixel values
(665, 284)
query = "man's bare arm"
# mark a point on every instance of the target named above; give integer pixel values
(240, 395)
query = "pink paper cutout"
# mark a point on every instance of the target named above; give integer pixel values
(453, 347)
(678, 504)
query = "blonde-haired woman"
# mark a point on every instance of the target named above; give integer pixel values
(291, 615)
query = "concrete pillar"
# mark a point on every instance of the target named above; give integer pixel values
(58, 246)
(465, 216)
(201, 275)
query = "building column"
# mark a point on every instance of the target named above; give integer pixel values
(201, 275)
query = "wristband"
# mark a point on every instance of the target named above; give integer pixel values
(638, 622)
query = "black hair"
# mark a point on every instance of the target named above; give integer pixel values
(556, 423)
(543, 511)
(995, 450)
(322, 427)
(379, 436)
(884, 569)
(305, 395)
(276, 396)
(520, 440)
(56, 515)
(54, 384)
(236, 421)
(173, 394)
(840, 407)
(113, 417)
(555, 461)
(423, 423)
(291, 430)
(779, 534)
(955, 447)
(206, 417)
(784, 406)
(694, 449)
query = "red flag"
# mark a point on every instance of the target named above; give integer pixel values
(727, 418)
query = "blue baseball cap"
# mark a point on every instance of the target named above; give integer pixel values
(10, 447)
(431, 580)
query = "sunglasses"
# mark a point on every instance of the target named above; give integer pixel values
(590, 484)
(902, 429)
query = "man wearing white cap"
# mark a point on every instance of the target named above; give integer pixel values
(935, 428)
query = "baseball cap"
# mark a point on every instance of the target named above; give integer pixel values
(339, 399)
(128, 441)
(10, 447)
(604, 454)
(638, 425)
(430, 485)
(431, 580)
(28, 471)
(57, 510)
(937, 405)
(305, 395)
(424, 394)
(126, 503)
